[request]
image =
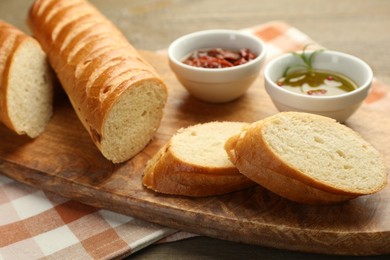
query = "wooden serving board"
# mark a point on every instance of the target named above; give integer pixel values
(65, 161)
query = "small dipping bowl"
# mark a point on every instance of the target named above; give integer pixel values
(216, 85)
(339, 107)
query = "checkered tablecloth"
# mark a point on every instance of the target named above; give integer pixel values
(36, 224)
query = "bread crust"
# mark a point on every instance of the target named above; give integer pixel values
(7, 45)
(6, 119)
(166, 173)
(254, 146)
(254, 158)
(12, 43)
(279, 183)
(88, 52)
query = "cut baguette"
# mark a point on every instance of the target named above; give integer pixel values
(194, 163)
(117, 95)
(308, 158)
(26, 85)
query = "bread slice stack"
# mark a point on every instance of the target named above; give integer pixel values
(26, 86)
(308, 158)
(117, 95)
(302, 157)
(194, 163)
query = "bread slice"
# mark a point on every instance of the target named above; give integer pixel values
(308, 158)
(26, 84)
(194, 162)
(117, 95)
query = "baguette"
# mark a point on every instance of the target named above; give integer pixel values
(308, 158)
(118, 97)
(194, 163)
(26, 84)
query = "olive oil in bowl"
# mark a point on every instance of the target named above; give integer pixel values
(317, 83)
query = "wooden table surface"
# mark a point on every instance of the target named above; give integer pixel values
(358, 27)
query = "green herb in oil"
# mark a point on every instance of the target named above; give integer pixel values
(303, 78)
(306, 59)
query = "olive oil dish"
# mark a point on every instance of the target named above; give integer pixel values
(310, 81)
(317, 82)
(323, 82)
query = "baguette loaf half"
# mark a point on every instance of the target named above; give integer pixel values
(26, 86)
(117, 95)
(308, 158)
(194, 162)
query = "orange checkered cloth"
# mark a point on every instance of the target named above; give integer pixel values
(36, 224)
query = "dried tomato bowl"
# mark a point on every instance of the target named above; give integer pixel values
(216, 85)
(340, 107)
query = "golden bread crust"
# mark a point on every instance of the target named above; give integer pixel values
(253, 156)
(88, 52)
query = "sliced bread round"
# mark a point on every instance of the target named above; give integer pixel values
(308, 158)
(26, 86)
(194, 162)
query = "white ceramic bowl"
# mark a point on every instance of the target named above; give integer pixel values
(339, 107)
(216, 85)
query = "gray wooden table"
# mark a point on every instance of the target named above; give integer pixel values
(358, 27)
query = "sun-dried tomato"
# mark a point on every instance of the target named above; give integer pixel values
(317, 92)
(219, 58)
